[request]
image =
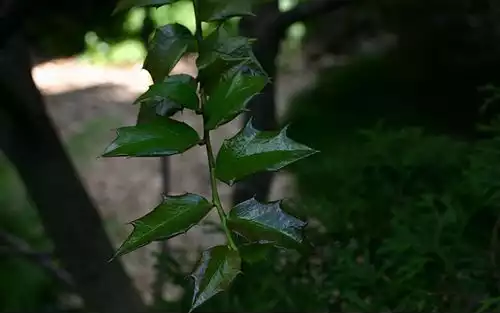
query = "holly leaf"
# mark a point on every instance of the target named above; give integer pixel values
(180, 89)
(160, 137)
(216, 270)
(229, 56)
(128, 4)
(256, 251)
(218, 10)
(222, 54)
(223, 44)
(150, 111)
(266, 222)
(174, 216)
(251, 151)
(248, 67)
(226, 70)
(230, 97)
(170, 42)
(167, 98)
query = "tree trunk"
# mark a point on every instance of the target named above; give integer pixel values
(68, 215)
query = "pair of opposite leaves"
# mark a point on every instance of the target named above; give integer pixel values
(264, 225)
(248, 152)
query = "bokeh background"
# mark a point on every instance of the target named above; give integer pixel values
(402, 202)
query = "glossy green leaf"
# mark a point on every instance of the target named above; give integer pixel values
(168, 97)
(147, 113)
(216, 270)
(174, 216)
(170, 42)
(160, 137)
(180, 89)
(248, 67)
(128, 4)
(151, 111)
(251, 151)
(230, 98)
(256, 251)
(218, 10)
(221, 43)
(221, 54)
(226, 70)
(266, 222)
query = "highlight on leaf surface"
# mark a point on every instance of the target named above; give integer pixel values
(170, 42)
(128, 4)
(266, 222)
(251, 151)
(215, 271)
(174, 216)
(218, 10)
(166, 98)
(160, 137)
(230, 97)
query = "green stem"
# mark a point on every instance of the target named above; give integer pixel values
(215, 192)
(208, 144)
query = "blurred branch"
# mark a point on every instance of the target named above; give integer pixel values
(11, 244)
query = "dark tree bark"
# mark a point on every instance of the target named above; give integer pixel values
(68, 215)
(269, 27)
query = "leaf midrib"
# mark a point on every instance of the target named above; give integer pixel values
(151, 230)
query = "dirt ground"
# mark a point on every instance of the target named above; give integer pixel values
(88, 102)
